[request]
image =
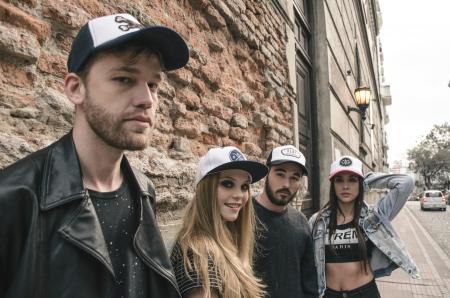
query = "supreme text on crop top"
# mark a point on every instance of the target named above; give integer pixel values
(344, 245)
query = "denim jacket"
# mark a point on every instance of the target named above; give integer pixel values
(389, 252)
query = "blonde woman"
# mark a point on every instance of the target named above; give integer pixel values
(214, 250)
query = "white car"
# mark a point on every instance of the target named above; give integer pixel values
(432, 199)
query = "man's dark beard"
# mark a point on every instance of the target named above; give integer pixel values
(273, 199)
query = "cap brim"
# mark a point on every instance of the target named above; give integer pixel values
(343, 171)
(281, 161)
(171, 46)
(256, 170)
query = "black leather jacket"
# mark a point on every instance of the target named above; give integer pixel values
(51, 241)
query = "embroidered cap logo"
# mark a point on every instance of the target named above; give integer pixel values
(345, 162)
(291, 152)
(235, 155)
(129, 23)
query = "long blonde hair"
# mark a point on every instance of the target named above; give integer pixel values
(228, 244)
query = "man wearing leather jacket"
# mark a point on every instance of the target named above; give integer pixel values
(76, 220)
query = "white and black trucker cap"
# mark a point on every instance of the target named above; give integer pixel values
(287, 153)
(228, 158)
(111, 31)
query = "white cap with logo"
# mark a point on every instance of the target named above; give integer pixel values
(346, 164)
(287, 153)
(228, 158)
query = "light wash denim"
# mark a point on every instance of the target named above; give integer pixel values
(389, 252)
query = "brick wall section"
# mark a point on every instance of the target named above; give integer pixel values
(231, 92)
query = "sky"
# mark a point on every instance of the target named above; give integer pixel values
(415, 37)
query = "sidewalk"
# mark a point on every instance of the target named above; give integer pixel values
(433, 263)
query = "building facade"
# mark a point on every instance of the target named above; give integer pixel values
(261, 74)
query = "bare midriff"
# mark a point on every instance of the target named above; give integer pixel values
(347, 276)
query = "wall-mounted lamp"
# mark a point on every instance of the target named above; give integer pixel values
(362, 95)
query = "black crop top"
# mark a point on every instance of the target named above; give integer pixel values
(344, 245)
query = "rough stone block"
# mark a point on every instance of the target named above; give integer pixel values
(198, 86)
(214, 19)
(14, 75)
(65, 12)
(217, 109)
(17, 17)
(178, 109)
(52, 64)
(259, 119)
(180, 148)
(27, 113)
(246, 99)
(239, 134)
(189, 98)
(252, 149)
(186, 127)
(19, 43)
(183, 77)
(273, 135)
(218, 126)
(215, 45)
(239, 120)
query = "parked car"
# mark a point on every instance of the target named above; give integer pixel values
(447, 198)
(432, 199)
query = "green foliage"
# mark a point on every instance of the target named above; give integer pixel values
(431, 157)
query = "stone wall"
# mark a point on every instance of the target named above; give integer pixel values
(232, 92)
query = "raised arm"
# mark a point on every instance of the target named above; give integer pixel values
(400, 187)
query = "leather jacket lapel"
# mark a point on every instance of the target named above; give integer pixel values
(149, 244)
(83, 229)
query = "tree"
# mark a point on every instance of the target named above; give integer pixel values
(431, 157)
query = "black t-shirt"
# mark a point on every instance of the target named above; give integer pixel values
(284, 256)
(191, 280)
(343, 247)
(118, 214)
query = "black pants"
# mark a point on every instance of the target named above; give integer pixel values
(369, 290)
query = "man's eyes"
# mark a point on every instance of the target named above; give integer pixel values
(123, 80)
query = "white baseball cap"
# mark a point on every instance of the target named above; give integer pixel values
(228, 158)
(111, 31)
(346, 164)
(287, 153)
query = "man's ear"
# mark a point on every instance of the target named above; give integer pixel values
(74, 88)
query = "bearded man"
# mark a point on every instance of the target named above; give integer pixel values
(284, 251)
(76, 219)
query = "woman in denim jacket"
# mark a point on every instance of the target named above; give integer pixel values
(355, 243)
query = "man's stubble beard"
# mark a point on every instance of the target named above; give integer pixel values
(110, 129)
(273, 199)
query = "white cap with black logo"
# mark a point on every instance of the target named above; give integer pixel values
(287, 153)
(346, 164)
(112, 31)
(228, 158)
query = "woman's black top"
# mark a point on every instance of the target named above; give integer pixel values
(343, 246)
(189, 279)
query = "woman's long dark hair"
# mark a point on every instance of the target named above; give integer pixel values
(333, 206)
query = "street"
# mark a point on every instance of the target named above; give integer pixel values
(437, 223)
(424, 234)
